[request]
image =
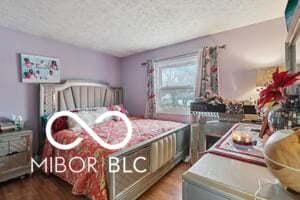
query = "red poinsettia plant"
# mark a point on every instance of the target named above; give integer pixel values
(275, 91)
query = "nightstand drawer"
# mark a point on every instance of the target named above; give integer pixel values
(13, 161)
(13, 145)
(18, 144)
(4, 149)
(4, 164)
(19, 159)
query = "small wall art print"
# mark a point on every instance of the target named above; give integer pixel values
(39, 69)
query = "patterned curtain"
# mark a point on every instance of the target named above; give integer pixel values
(209, 73)
(150, 106)
(207, 86)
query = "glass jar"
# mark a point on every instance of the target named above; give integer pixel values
(284, 116)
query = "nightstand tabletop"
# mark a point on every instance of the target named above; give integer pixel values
(15, 133)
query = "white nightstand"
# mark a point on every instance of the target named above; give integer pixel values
(15, 154)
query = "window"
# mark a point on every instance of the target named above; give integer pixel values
(175, 81)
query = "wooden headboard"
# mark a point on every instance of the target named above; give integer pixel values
(77, 94)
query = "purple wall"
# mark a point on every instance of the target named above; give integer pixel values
(247, 48)
(77, 63)
(250, 47)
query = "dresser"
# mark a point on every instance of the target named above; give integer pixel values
(219, 178)
(206, 134)
(15, 154)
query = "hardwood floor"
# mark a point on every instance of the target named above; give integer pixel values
(40, 186)
(169, 187)
(37, 187)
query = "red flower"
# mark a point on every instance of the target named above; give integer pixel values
(284, 79)
(275, 90)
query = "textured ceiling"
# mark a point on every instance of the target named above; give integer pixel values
(125, 27)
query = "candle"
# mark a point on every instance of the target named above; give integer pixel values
(239, 137)
(247, 138)
(236, 136)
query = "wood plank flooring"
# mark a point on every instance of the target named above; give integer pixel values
(40, 186)
(169, 187)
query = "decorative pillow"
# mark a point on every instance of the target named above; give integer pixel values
(119, 108)
(89, 117)
(60, 124)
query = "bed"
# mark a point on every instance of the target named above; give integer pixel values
(164, 144)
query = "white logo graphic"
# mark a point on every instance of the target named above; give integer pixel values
(89, 130)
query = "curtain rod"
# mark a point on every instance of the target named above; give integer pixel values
(182, 55)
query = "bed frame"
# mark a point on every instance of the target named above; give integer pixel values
(81, 94)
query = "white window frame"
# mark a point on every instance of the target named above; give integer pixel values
(167, 63)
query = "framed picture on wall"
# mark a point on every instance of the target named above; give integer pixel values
(39, 69)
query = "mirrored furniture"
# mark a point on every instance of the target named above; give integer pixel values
(210, 123)
(15, 154)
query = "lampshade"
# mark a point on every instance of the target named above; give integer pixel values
(264, 75)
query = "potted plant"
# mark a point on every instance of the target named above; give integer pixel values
(275, 103)
(281, 149)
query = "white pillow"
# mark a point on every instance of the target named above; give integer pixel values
(89, 117)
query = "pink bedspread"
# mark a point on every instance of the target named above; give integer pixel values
(88, 182)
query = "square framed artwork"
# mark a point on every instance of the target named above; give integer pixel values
(39, 69)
